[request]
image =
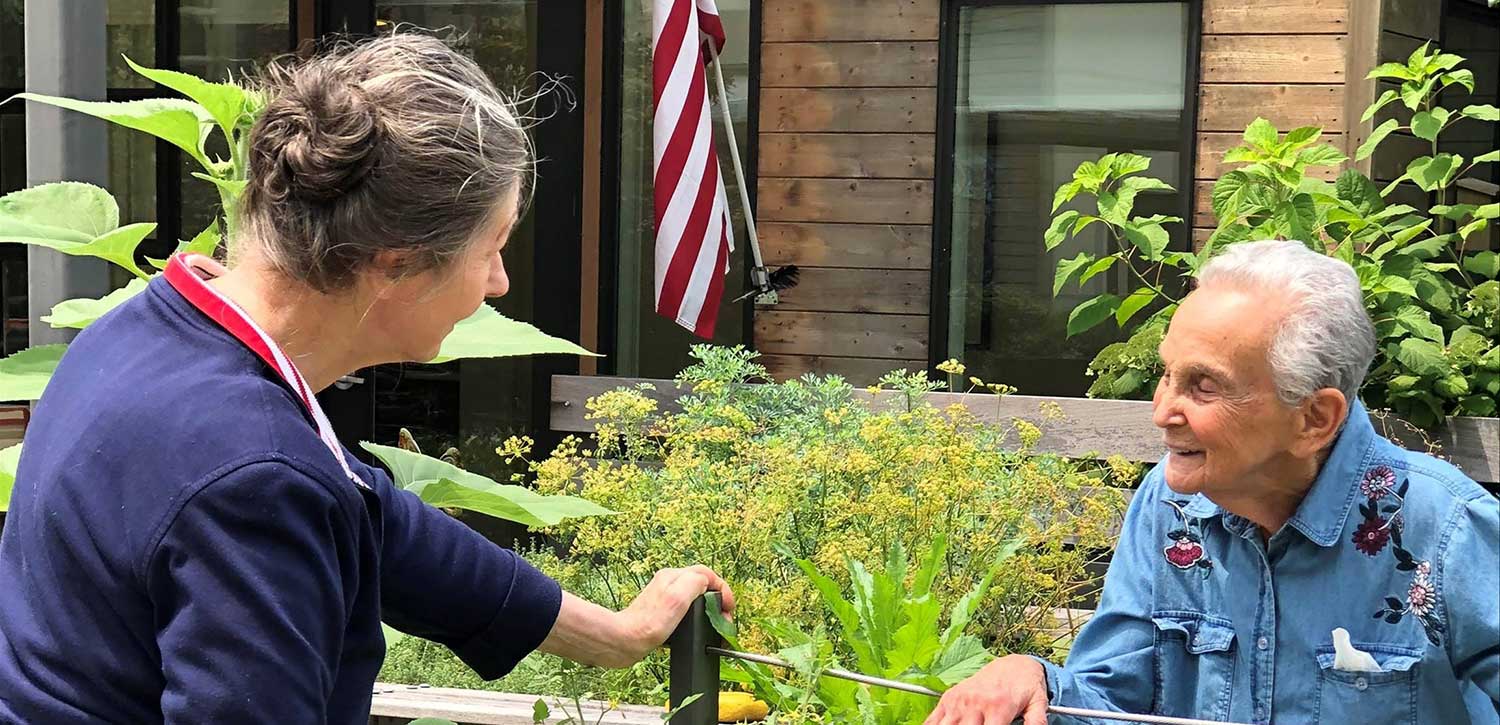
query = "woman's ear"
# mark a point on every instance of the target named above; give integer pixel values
(1322, 417)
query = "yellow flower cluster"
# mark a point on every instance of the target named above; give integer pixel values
(749, 478)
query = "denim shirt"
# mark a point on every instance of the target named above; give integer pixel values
(1200, 617)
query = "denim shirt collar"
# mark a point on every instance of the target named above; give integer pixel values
(1325, 510)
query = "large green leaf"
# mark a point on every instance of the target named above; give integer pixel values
(445, 485)
(1148, 237)
(224, 102)
(24, 375)
(116, 246)
(1426, 125)
(1432, 172)
(1091, 313)
(1067, 268)
(512, 503)
(487, 333)
(1485, 264)
(1260, 133)
(66, 211)
(1133, 304)
(1376, 136)
(9, 459)
(1057, 231)
(174, 120)
(1358, 191)
(1484, 112)
(81, 312)
(1385, 98)
(1419, 322)
(1422, 357)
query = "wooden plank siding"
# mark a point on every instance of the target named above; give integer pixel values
(1287, 61)
(1088, 427)
(848, 115)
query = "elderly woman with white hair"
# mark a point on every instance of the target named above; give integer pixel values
(1283, 562)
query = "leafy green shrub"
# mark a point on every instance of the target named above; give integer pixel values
(894, 627)
(1435, 302)
(748, 478)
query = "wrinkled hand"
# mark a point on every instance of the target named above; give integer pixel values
(657, 610)
(1008, 688)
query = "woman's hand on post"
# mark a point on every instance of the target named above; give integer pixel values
(656, 611)
(1011, 687)
(593, 635)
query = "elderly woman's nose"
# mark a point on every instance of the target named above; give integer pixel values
(498, 283)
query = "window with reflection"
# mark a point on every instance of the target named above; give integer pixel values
(1040, 88)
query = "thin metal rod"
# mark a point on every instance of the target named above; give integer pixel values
(739, 170)
(920, 690)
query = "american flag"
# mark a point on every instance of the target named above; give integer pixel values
(693, 231)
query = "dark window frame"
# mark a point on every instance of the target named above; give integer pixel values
(942, 211)
(1475, 12)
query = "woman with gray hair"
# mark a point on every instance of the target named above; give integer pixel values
(187, 540)
(1283, 562)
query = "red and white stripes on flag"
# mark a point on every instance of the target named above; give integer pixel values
(693, 231)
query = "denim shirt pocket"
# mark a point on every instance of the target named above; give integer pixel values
(1387, 696)
(1195, 660)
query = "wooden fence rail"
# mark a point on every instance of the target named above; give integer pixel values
(1087, 427)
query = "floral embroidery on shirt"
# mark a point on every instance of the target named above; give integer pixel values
(1382, 520)
(1186, 550)
(1383, 525)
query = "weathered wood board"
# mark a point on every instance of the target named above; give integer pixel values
(848, 110)
(1297, 17)
(898, 337)
(846, 65)
(882, 246)
(852, 289)
(847, 155)
(822, 20)
(871, 201)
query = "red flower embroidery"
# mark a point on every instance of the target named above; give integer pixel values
(1371, 536)
(1184, 554)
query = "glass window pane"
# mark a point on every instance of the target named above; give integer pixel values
(130, 30)
(650, 345)
(1040, 89)
(12, 45)
(220, 38)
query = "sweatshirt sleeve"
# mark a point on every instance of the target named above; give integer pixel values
(251, 582)
(442, 581)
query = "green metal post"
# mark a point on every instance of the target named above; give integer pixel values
(694, 671)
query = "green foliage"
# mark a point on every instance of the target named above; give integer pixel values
(24, 375)
(445, 485)
(1435, 302)
(487, 333)
(895, 629)
(8, 459)
(749, 478)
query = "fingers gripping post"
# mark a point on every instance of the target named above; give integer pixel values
(694, 668)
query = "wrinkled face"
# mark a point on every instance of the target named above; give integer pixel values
(1223, 425)
(420, 310)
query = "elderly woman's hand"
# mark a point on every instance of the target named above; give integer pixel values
(1011, 687)
(588, 633)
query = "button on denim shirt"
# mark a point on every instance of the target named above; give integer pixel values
(1201, 617)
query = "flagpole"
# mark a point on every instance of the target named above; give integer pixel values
(758, 276)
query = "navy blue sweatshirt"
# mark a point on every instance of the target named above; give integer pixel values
(181, 547)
